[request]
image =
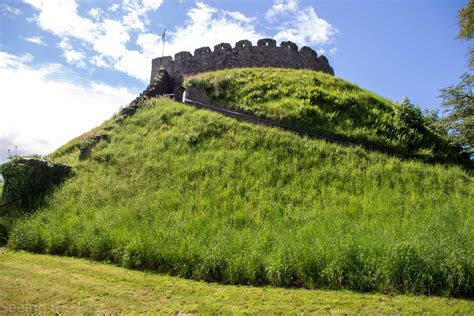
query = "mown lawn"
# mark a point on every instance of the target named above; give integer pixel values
(48, 284)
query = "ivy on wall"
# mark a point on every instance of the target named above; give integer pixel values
(28, 181)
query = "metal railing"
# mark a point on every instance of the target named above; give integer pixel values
(9, 202)
(272, 123)
(267, 122)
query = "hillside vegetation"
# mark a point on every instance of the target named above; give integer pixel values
(36, 284)
(191, 193)
(330, 107)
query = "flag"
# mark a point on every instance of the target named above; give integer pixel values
(163, 37)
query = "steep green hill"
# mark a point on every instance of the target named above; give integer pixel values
(192, 193)
(330, 107)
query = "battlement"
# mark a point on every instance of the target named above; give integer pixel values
(244, 54)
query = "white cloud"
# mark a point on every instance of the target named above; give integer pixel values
(111, 40)
(35, 40)
(103, 41)
(95, 13)
(302, 25)
(60, 18)
(136, 17)
(99, 61)
(152, 4)
(73, 57)
(133, 20)
(239, 16)
(282, 7)
(114, 7)
(65, 44)
(150, 44)
(53, 111)
(5, 9)
(107, 37)
(135, 64)
(208, 26)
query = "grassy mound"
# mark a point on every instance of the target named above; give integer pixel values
(191, 193)
(331, 107)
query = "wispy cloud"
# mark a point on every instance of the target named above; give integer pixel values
(36, 40)
(208, 26)
(281, 7)
(73, 56)
(136, 17)
(5, 9)
(301, 24)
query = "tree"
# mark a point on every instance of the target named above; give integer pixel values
(466, 21)
(458, 100)
(458, 103)
(466, 27)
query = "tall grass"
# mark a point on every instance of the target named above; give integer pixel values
(330, 107)
(191, 193)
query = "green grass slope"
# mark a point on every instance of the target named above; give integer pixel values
(191, 193)
(39, 284)
(331, 107)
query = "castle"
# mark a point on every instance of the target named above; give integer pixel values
(265, 54)
(167, 74)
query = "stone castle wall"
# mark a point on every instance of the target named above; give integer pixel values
(265, 54)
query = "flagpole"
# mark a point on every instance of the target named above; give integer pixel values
(163, 37)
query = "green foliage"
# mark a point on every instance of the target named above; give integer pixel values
(330, 107)
(191, 193)
(458, 103)
(466, 21)
(17, 175)
(27, 182)
(4, 224)
(466, 27)
(458, 100)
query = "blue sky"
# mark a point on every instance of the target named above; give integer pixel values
(67, 65)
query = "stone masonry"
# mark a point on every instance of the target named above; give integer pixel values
(265, 54)
(167, 74)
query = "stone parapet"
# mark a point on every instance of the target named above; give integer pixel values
(244, 54)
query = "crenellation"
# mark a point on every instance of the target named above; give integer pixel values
(222, 47)
(182, 56)
(243, 44)
(323, 59)
(202, 51)
(308, 51)
(244, 54)
(266, 42)
(289, 45)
